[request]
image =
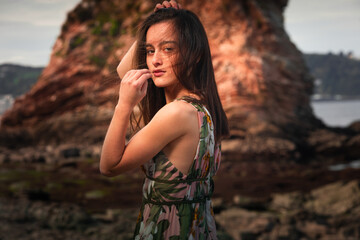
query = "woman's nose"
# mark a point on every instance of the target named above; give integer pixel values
(156, 60)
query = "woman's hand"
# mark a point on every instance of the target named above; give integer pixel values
(133, 87)
(167, 4)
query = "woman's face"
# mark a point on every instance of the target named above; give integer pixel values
(162, 50)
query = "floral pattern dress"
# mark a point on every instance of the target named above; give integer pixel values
(177, 205)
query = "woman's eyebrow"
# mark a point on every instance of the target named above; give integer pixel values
(161, 43)
(167, 42)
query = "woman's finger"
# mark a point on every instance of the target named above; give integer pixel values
(174, 4)
(158, 6)
(143, 78)
(135, 74)
(140, 73)
(166, 4)
(126, 75)
(144, 87)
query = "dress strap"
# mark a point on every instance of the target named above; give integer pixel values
(196, 104)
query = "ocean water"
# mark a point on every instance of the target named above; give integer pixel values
(337, 113)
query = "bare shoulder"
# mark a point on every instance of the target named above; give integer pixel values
(172, 121)
(178, 111)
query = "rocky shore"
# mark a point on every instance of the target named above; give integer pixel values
(58, 193)
(328, 212)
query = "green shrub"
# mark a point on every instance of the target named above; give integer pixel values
(98, 61)
(77, 41)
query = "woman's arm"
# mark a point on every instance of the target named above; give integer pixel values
(132, 90)
(115, 157)
(126, 63)
(171, 122)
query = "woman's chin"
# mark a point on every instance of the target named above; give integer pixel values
(158, 83)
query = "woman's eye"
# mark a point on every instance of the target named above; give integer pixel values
(149, 51)
(168, 49)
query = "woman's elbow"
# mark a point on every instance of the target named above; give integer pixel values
(106, 172)
(121, 70)
(109, 171)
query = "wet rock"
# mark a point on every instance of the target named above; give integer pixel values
(355, 126)
(22, 219)
(240, 223)
(325, 140)
(287, 202)
(60, 216)
(250, 203)
(70, 152)
(328, 212)
(335, 199)
(258, 149)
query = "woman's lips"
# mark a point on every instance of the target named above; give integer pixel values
(158, 73)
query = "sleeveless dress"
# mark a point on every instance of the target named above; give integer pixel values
(177, 205)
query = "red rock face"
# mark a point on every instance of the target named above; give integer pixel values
(262, 79)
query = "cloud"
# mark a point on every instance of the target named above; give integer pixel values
(307, 11)
(29, 29)
(36, 12)
(48, 1)
(25, 57)
(324, 25)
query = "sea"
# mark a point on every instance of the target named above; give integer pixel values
(337, 113)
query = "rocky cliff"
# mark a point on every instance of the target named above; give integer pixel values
(262, 79)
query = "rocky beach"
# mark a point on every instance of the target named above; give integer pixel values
(279, 178)
(59, 194)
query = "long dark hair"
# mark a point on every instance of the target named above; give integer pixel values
(194, 69)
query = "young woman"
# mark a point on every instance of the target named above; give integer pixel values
(179, 147)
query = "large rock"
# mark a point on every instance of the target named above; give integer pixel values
(244, 224)
(335, 199)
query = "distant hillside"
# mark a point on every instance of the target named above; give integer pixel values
(17, 80)
(334, 75)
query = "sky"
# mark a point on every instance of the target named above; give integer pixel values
(323, 26)
(29, 28)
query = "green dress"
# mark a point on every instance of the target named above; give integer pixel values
(176, 205)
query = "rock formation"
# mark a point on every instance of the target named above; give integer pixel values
(262, 80)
